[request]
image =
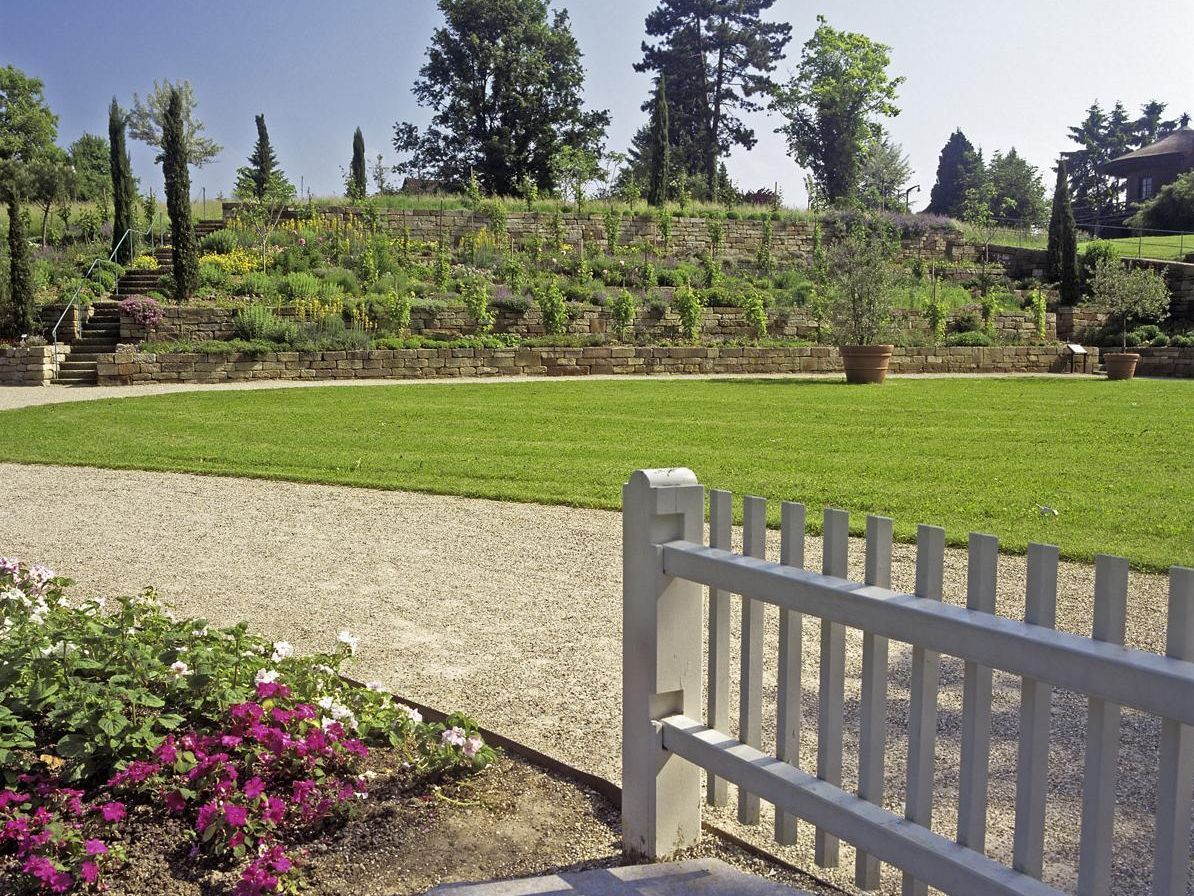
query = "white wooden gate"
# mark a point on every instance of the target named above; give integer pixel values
(670, 733)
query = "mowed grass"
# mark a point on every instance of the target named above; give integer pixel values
(1116, 460)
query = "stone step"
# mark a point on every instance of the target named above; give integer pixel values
(695, 877)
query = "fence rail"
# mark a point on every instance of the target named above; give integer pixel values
(667, 741)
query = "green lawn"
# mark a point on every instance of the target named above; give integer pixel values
(1173, 247)
(1115, 459)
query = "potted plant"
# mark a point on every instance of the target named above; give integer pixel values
(1128, 295)
(860, 274)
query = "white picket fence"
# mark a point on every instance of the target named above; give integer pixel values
(666, 743)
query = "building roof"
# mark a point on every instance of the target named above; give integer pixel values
(1179, 143)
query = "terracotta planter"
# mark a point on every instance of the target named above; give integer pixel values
(1121, 365)
(866, 363)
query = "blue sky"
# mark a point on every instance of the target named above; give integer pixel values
(1013, 73)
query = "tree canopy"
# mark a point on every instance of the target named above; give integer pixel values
(146, 122)
(959, 170)
(255, 178)
(884, 174)
(716, 56)
(1017, 191)
(1171, 209)
(505, 83)
(89, 156)
(833, 104)
(28, 128)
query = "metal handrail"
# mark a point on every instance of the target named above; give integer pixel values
(91, 267)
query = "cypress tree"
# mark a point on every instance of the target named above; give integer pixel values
(959, 170)
(1062, 258)
(356, 173)
(178, 198)
(262, 167)
(20, 318)
(661, 148)
(124, 194)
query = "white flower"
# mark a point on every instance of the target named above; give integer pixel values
(282, 650)
(325, 702)
(266, 676)
(178, 669)
(473, 746)
(326, 670)
(375, 686)
(411, 713)
(350, 640)
(13, 594)
(453, 737)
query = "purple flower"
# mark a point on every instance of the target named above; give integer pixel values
(112, 812)
(95, 847)
(235, 815)
(253, 788)
(89, 872)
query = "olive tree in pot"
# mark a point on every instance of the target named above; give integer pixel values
(1129, 295)
(860, 275)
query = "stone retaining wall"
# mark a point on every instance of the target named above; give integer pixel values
(1178, 362)
(129, 367)
(718, 324)
(30, 365)
(689, 236)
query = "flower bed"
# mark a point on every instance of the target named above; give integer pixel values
(113, 709)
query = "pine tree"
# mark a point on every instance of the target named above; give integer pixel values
(178, 198)
(661, 148)
(1062, 257)
(20, 320)
(356, 172)
(124, 193)
(959, 170)
(263, 165)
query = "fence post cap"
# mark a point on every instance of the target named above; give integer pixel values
(662, 477)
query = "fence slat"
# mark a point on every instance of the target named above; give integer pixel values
(974, 765)
(1171, 861)
(788, 683)
(922, 711)
(750, 702)
(872, 728)
(1036, 697)
(832, 679)
(718, 711)
(1102, 736)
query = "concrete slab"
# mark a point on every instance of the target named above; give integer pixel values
(695, 877)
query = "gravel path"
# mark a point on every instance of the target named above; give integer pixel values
(511, 612)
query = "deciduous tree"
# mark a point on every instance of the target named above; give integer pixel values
(833, 104)
(90, 156)
(28, 128)
(148, 119)
(505, 85)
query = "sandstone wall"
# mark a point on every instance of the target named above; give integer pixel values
(33, 365)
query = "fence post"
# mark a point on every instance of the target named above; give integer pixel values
(661, 662)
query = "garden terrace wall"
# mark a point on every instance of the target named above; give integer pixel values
(197, 324)
(30, 365)
(1177, 362)
(689, 236)
(129, 367)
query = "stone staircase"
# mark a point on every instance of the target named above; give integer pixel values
(142, 282)
(100, 334)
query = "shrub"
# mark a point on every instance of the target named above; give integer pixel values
(142, 310)
(624, 309)
(1040, 315)
(550, 300)
(237, 261)
(1160, 341)
(612, 219)
(495, 213)
(300, 285)
(971, 338)
(755, 312)
(1095, 253)
(1129, 294)
(345, 279)
(144, 263)
(860, 272)
(220, 242)
(212, 276)
(1182, 340)
(989, 306)
(474, 291)
(966, 322)
(936, 316)
(688, 305)
(259, 284)
(259, 323)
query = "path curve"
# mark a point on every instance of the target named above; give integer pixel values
(512, 613)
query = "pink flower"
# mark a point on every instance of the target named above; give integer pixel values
(61, 882)
(175, 802)
(95, 847)
(89, 872)
(453, 737)
(473, 746)
(253, 788)
(112, 812)
(235, 815)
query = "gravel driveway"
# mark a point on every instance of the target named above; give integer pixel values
(511, 612)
